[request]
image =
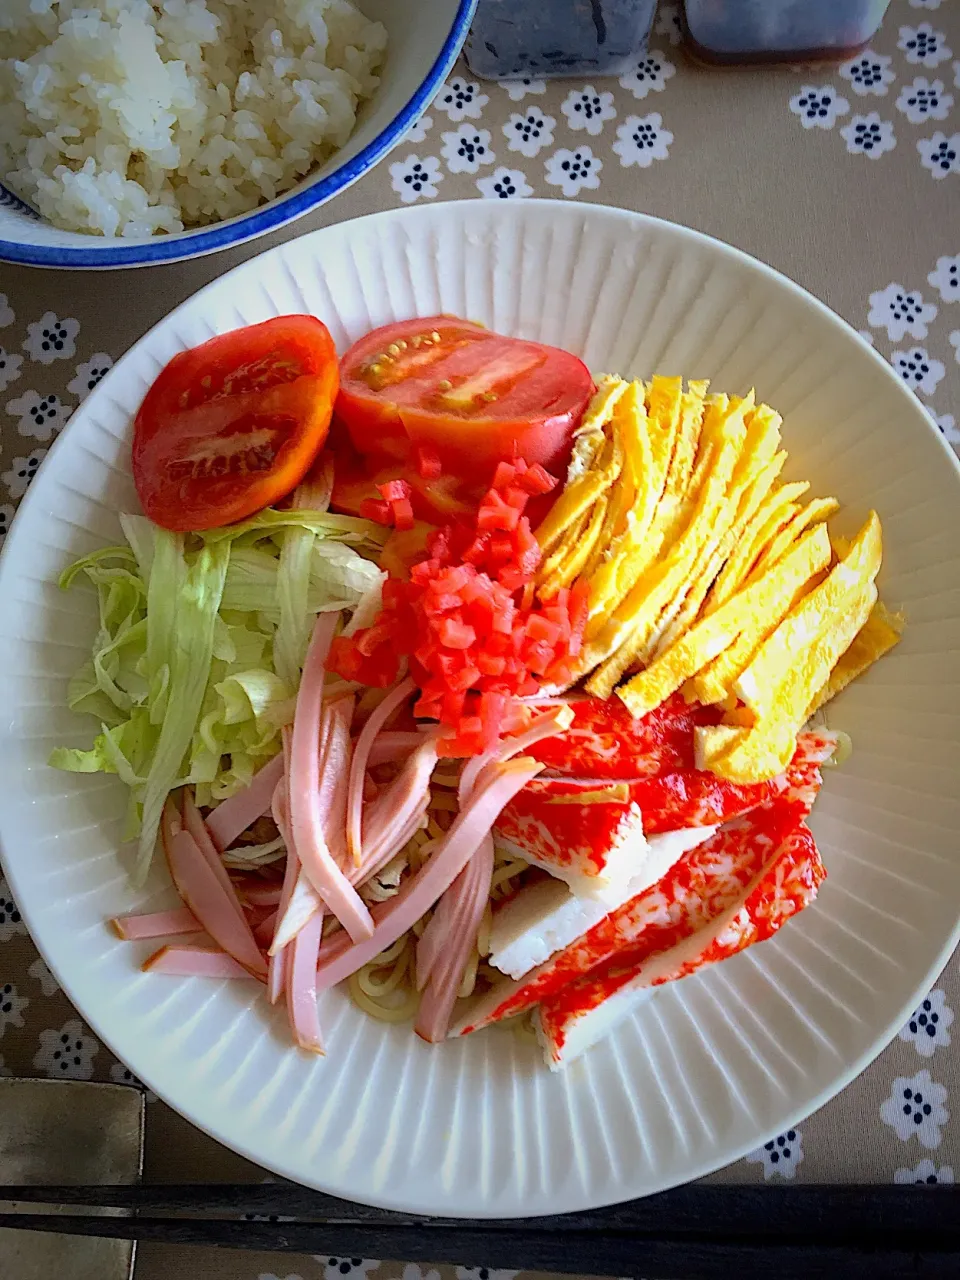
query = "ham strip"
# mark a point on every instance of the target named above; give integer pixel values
(195, 825)
(361, 758)
(392, 746)
(276, 964)
(338, 959)
(543, 727)
(203, 893)
(194, 962)
(470, 892)
(264, 933)
(301, 985)
(233, 816)
(306, 817)
(158, 924)
(391, 812)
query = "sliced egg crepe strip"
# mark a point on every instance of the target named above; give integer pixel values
(710, 637)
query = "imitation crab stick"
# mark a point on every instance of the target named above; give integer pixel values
(577, 1017)
(231, 817)
(194, 962)
(361, 756)
(158, 924)
(203, 893)
(700, 886)
(305, 816)
(338, 959)
(470, 892)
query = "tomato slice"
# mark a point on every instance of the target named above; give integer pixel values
(233, 425)
(470, 397)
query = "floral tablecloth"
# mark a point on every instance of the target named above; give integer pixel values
(846, 178)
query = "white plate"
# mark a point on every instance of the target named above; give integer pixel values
(711, 1067)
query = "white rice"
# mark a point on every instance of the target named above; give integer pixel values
(126, 118)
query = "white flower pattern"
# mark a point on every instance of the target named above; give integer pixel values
(22, 471)
(927, 1028)
(67, 1054)
(919, 370)
(417, 132)
(10, 364)
(517, 90)
(925, 1174)
(916, 1108)
(818, 108)
(6, 312)
(900, 312)
(39, 417)
(925, 4)
(940, 154)
(339, 1268)
(573, 171)
(868, 136)
(945, 278)
(650, 75)
(48, 983)
(947, 424)
(780, 1156)
(504, 184)
(414, 178)
(466, 149)
(461, 100)
(924, 100)
(12, 1005)
(49, 338)
(529, 131)
(89, 373)
(923, 46)
(11, 922)
(588, 109)
(641, 140)
(954, 340)
(869, 73)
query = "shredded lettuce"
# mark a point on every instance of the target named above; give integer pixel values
(196, 660)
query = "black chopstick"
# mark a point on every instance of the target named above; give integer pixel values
(607, 1251)
(721, 1210)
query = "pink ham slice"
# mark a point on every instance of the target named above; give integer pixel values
(339, 959)
(306, 814)
(588, 1009)
(699, 887)
(194, 962)
(194, 823)
(468, 896)
(203, 893)
(361, 759)
(391, 746)
(158, 924)
(233, 816)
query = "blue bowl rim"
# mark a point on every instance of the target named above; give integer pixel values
(247, 226)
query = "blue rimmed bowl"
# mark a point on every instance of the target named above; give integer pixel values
(424, 39)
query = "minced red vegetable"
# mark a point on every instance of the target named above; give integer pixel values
(473, 641)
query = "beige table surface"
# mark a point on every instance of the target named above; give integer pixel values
(746, 156)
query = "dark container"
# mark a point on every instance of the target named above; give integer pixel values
(512, 39)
